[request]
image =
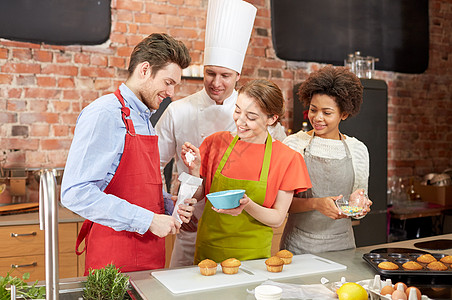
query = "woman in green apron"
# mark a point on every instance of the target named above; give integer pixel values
(338, 165)
(269, 172)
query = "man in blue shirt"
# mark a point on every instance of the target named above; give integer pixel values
(112, 174)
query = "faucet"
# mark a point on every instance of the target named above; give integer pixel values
(48, 221)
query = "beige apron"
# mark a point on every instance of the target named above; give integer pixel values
(312, 231)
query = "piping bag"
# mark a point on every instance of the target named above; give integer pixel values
(188, 186)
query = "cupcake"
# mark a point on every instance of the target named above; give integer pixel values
(230, 266)
(447, 259)
(437, 266)
(285, 255)
(412, 265)
(426, 258)
(207, 267)
(388, 265)
(274, 264)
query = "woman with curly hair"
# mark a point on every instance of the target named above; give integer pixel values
(338, 165)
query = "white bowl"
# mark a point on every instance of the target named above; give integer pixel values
(268, 292)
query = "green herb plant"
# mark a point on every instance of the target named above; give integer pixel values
(23, 290)
(106, 284)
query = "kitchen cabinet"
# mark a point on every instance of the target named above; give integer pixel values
(22, 250)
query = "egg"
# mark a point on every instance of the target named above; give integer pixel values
(398, 295)
(387, 290)
(418, 292)
(396, 285)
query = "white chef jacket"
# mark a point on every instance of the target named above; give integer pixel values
(192, 119)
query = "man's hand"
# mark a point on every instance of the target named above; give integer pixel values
(162, 225)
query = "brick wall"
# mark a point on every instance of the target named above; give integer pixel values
(44, 87)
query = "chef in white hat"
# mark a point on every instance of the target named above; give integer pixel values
(191, 119)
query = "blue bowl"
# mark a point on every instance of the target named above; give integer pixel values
(226, 199)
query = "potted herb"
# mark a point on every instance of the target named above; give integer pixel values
(106, 284)
(23, 290)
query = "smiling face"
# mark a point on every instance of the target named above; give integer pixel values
(325, 116)
(219, 82)
(251, 120)
(156, 88)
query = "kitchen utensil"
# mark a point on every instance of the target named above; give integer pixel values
(226, 199)
(409, 276)
(185, 280)
(353, 205)
(303, 264)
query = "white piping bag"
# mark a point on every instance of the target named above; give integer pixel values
(188, 186)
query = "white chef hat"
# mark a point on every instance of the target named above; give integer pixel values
(228, 30)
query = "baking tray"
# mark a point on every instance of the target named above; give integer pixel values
(409, 276)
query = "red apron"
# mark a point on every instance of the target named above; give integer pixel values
(138, 181)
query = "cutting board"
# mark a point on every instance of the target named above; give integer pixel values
(303, 264)
(190, 279)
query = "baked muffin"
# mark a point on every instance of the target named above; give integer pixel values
(274, 264)
(437, 266)
(388, 265)
(285, 255)
(426, 258)
(230, 266)
(412, 265)
(447, 259)
(207, 267)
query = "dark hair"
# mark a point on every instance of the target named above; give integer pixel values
(268, 96)
(337, 82)
(159, 50)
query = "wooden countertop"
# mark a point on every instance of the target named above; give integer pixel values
(64, 216)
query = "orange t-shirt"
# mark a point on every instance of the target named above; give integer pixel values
(287, 172)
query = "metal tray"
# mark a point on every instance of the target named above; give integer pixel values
(409, 276)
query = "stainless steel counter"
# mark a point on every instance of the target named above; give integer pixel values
(64, 216)
(357, 269)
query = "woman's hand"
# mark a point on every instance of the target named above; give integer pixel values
(366, 202)
(235, 211)
(194, 166)
(327, 207)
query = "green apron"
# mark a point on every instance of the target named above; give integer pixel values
(222, 236)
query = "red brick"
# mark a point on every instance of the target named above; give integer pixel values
(37, 105)
(81, 58)
(41, 93)
(119, 27)
(22, 68)
(12, 44)
(177, 2)
(191, 11)
(117, 38)
(60, 70)
(69, 118)
(61, 106)
(161, 20)
(42, 56)
(20, 143)
(39, 129)
(99, 60)
(63, 57)
(8, 117)
(142, 17)
(44, 117)
(96, 72)
(14, 93)
(57, 157)
(66, 82)
(60, 130)
(21, 54)
(118, 62)
(101, 84)
(46, 81)
(16, 105)
(181, 33)
(35, 159)
(161, 9)
(3, 53)
(6, 78)
(124, 15)
(71, 95)
(55, 144)
(129, 5)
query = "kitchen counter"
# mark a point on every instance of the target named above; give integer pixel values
(64, 216)
(357, 269)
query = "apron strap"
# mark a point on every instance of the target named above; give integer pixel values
(84, 231)
(265, 163)
(125, 112)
